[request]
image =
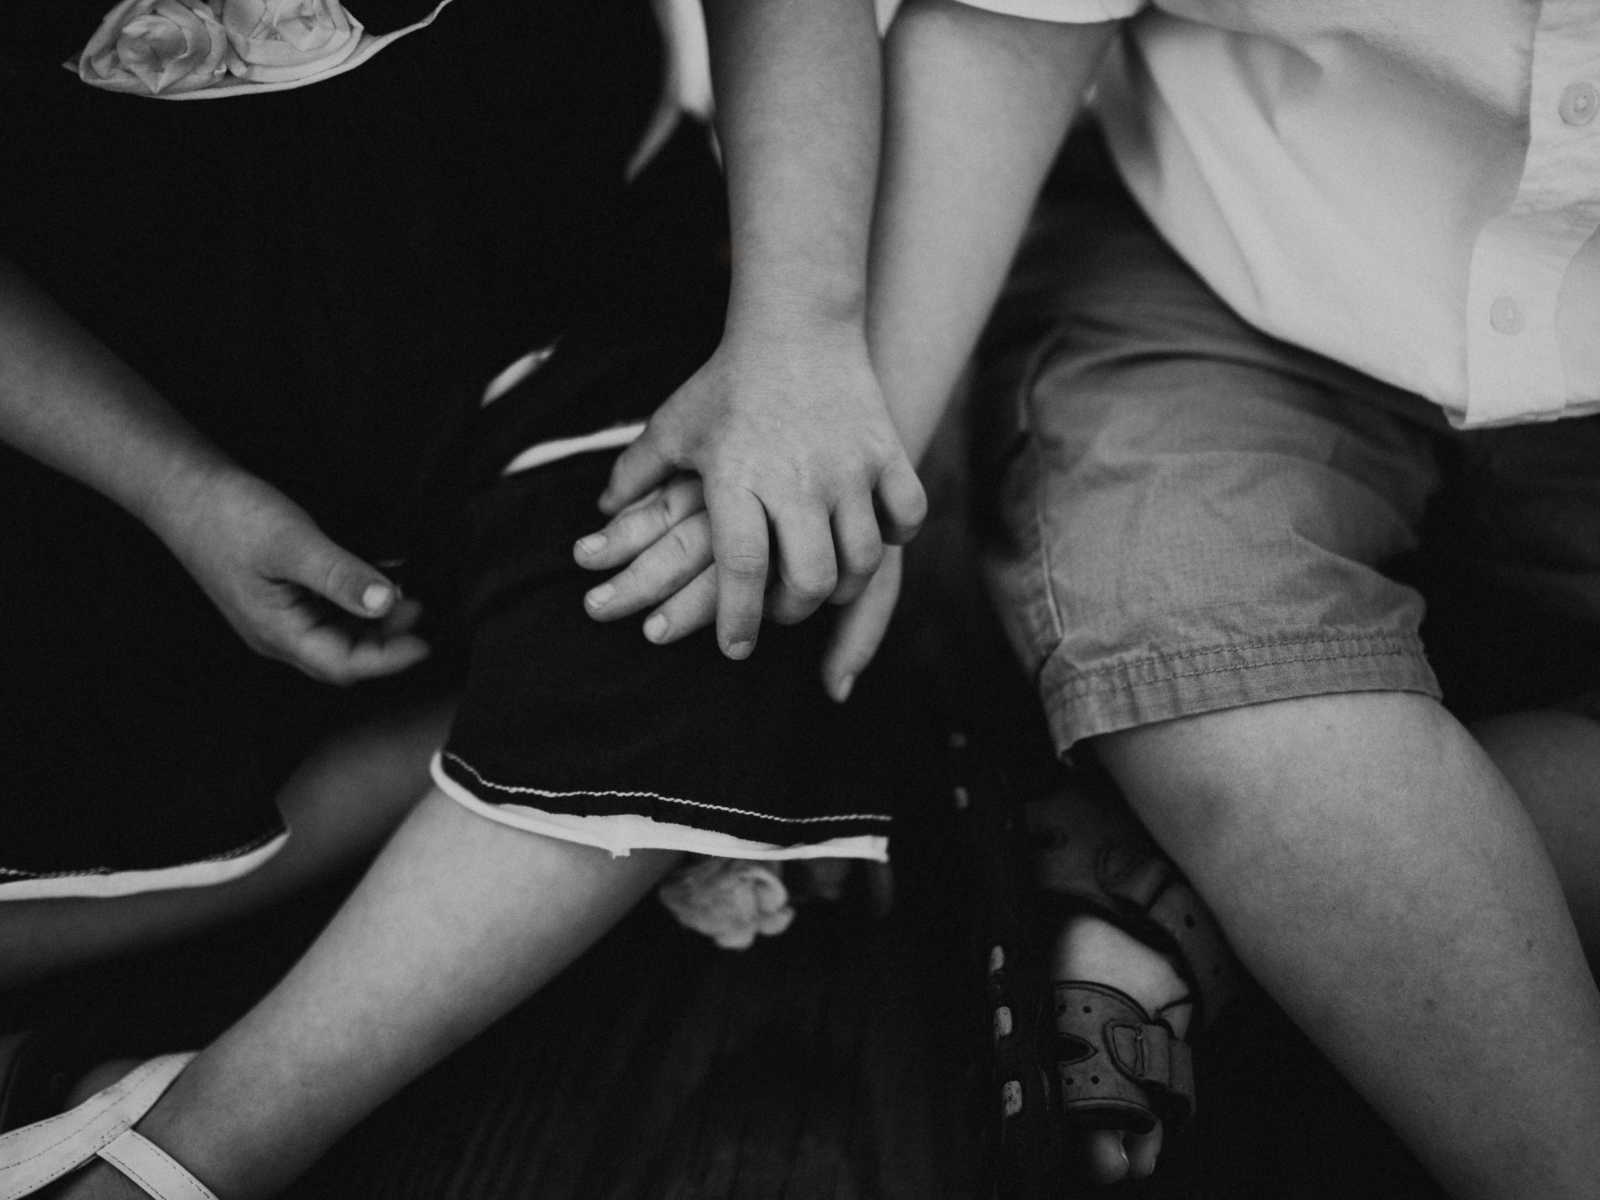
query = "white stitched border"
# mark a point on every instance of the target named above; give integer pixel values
(25, 885)
(545, 453)
(620, 834)
(742, 812)
(514, 374)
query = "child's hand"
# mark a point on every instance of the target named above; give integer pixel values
(788, 433)
(665, 542)
(290, 592)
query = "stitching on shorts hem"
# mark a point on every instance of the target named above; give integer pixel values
(1081, 683)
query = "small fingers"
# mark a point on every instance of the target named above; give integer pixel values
(640, 525)
(664, 567)
(332, 572)
(902, 504)
(330, 655)
(372, 659)
(402, 618)
(343, 652)
(807, 570)
(691, 608)
(739, 542)
(859, 548)
(860, 629)
(645, 464)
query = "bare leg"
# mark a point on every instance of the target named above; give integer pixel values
(458, 920)
(339, 806)
(1553, 761)
(1381, 879)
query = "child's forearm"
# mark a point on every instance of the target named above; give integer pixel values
(797, 90)
(977, 106)
(66, 400)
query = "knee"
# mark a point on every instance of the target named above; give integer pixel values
(1207, 783)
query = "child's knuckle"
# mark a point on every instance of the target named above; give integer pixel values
(681, 543)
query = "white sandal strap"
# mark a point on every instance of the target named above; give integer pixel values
(153, 1169)
(39, 1154)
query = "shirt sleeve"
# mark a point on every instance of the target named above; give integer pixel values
(1067, 12)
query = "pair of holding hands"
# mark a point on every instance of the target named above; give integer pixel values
(769, 483)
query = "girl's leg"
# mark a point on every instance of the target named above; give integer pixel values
(457, 921)
(1380, 877)
(339, 806)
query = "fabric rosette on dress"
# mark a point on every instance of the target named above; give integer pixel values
(157, 46)
(734, 901)
(730, 900)
(193, 49)
(276, 40)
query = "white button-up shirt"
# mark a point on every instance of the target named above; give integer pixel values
(1410, 187)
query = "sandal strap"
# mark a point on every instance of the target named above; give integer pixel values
(1116, 1064)
(36, 1155)
(153, 1169)
(1092, 855)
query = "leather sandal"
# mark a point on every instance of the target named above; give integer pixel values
(1118, 1066)
(1081, 1054)
(36, 1155)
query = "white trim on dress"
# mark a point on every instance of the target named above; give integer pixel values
(622, 833)
(128, 883)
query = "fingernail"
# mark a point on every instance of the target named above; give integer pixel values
(600, 596)
(656, 627)
(739, 649)
(376, 596)
(592, 544)
(841, 690)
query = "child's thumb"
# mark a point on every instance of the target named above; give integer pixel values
(339, 576)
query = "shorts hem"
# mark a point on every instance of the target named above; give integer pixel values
(1167, 686)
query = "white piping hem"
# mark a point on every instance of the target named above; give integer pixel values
(129, 883)
(622, 833)
(514, 374)
(544, 453)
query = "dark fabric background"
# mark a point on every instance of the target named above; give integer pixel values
(323, 279)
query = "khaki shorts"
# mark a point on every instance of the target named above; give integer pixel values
(1184, 515)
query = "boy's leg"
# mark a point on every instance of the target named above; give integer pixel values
(457, 921)
(1194, 519)
(339, 805)
(1381, 879)
(1552, 760)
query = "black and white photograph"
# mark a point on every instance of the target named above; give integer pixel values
(800, 599)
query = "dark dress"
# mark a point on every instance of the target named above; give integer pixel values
(324, 280)
(321, 279)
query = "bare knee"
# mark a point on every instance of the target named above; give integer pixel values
(1209, 783)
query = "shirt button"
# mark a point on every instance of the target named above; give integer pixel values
(1505, 315)
(1579, 103)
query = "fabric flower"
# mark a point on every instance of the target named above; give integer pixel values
(729, 900)
(278, 40)
(156, 46)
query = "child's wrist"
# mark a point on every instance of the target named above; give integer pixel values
(796, 300)
(175, 496)
(809, 320)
